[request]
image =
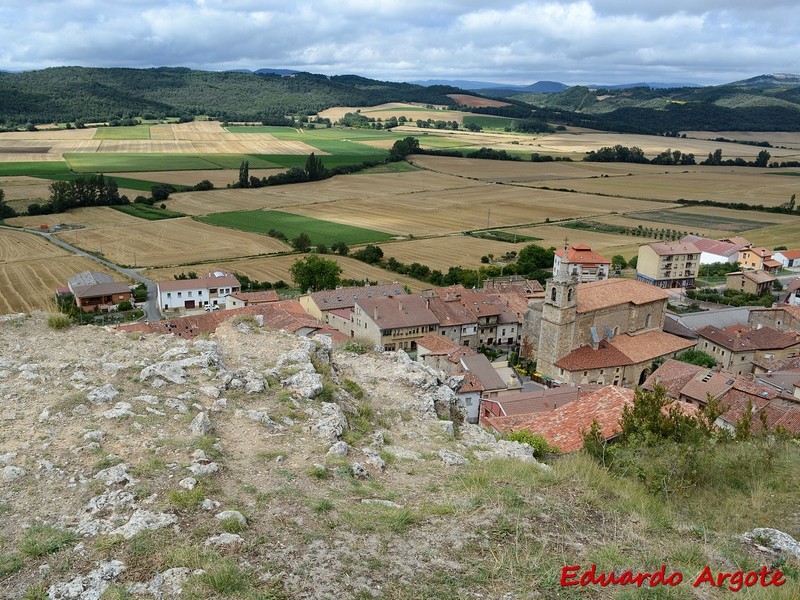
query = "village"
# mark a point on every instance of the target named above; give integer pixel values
(547, 360)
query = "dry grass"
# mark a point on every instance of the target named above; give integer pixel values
(17, 246)
(276, 268)
(465, 209)
(96, 216)
(26, 285)
(219, 177)
(735, 184)
(24, 188)
(171, 242)
(444, 252)
(378, 188)
(553, 235)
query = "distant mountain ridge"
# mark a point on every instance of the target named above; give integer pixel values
(71, 94)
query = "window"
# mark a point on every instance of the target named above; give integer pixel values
(647, 320)
(179, 294)
(169, 294)
(585, 373)
(569, 295)
(189, 294)
(553, 295)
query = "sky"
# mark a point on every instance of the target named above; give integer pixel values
(580, 42)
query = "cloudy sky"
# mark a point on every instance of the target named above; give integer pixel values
(510, 41)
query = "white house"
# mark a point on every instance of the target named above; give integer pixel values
(581, 262)
(210, 289)
(788, 258)
(714, 251)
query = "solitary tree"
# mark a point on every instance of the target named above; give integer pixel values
(244, 175)
(314, 168)
(302, 242)
(314, 273)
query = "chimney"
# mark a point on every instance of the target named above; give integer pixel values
(578, 395)
(375, 314)
(400, 304)
(427, 303)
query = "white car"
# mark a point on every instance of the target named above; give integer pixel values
(210, 307)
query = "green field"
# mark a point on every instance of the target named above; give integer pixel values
(151, 213)
(697, 220)
(60, 171)
(290, 160)
(135, 132)
(103, 162)
(431, 140)
(489, 122)
(320, 232)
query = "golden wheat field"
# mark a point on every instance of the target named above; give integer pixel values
(790, 139)
(25, 188)
(30, 284)
(170, 242)
(375, 187)
(275, 268)
(95, 216)
(450, 251)
(726, 184)
(221, 178)
(455, 210)
(653, 145)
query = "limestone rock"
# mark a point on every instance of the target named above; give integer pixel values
(116, 474)
(103, 394)
(451, 458)
(224, 539)
(90, 586)
(121, 409)
(201, 425)
(231, 514)
(331, 422)
(144, 520)
(338, 449)
(773, 539)
(12, 473)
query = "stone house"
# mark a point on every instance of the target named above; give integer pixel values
(582, 262)
(94, 291)
(758, 282)
(736, 347)
(393, 322)
(209, 290)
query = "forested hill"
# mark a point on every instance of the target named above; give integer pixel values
(763, 103)
(91, 94)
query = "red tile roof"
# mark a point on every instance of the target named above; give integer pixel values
(624, 350)
(716, 247)
(672, 375)
(277, 315)
(582, 254)
(257, 297)
(585, 358)
(564, 426)
(398, 312)
(789, 254)
(438, 344)
(345, 297)
(471, 383)
(613, 292)
(739, 338)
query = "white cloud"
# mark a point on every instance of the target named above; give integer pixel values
(591, 41)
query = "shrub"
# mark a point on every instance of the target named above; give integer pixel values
(540, 446)
(124, 305)
(357, 346)
(9, 563)
(58, 321)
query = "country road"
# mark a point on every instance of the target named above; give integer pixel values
(151, 308)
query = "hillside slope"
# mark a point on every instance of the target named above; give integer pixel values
(255, 464)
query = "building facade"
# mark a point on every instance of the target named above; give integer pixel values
(209, 290)
(668, 264)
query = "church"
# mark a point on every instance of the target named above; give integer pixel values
(602, 332)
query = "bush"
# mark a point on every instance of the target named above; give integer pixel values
(124, 305)
(58, 321)
(541, 446)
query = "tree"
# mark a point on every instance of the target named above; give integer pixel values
(533, 258)
(762, 160)
(244, 174)
(314, 273)
(314, 168)
(302, 242)
(402, 148)
(618, 262)
(633, 262)
(697, 357)
(340, 248)
(6, 212)
(369, 254)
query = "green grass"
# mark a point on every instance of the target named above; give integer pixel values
(392, 167)
(120, 162)
(490, 122)
(40, 540)
(151, 213)
(136, 132)
(504, 236)
(320, 232)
